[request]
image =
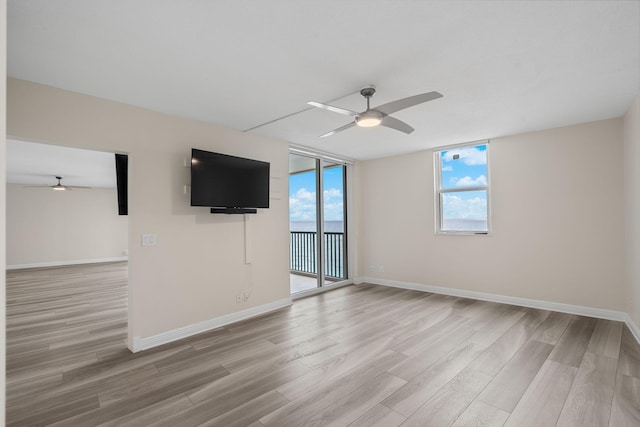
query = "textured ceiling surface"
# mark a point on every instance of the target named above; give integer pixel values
(503, 67)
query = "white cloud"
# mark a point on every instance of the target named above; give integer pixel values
(471, 156)
(332, 193)
(333, 211)
(302, 205)
(467, 181)
(455, 206)
(333, 205)
(447, 168)
(304, 194)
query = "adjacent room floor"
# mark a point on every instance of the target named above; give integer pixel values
(360, 355)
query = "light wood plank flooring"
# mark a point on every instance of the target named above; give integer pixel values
(361, 356)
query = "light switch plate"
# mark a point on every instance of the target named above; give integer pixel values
(149, 239)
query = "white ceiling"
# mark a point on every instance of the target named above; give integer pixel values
(38, 164)
(503, 67)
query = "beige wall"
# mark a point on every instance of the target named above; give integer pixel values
(632, 207)
(45, 226)
(198, 266)
(556, 213)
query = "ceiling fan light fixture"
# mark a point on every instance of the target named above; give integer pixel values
(368, 121)
(59, 186)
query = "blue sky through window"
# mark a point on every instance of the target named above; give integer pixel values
(463, 168)
(469, 170)
(302, 195)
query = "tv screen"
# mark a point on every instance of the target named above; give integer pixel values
(220, 180)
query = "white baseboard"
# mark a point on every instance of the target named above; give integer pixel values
(61, 263)
(633, 327)
(522, 302)
(146, 343)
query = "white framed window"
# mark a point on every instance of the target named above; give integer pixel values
(462, 189)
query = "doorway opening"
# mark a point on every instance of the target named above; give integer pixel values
(67, 223)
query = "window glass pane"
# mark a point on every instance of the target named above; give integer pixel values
(334, 219)
(464, 211)
(303, 227)
(333, 193)
(302, 193)
(464, 167)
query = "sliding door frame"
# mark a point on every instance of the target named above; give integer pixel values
(321, 161)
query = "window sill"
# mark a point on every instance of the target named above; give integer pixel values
(463, 233)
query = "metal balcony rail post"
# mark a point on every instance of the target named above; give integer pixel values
(302, 253)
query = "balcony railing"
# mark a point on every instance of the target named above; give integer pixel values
(303, 253)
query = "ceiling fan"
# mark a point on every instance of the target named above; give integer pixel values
(59, 186)
(378, 116)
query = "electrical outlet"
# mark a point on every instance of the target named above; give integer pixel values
(246, 296)
(382, 269)
(238, 299)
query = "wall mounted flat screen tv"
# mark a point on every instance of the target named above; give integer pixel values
(223, 181)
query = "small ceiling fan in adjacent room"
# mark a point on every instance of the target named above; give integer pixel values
(378, 116)
(59, 186)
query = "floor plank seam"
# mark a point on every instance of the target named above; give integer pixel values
(282, 395)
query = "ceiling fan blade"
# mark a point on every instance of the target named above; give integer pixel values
(338, 110)
(393, 123)
(340, 129)
(78, 186)
(401, 104)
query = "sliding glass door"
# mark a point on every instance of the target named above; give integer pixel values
(334, 221)
(303, 223)
(317, 207)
